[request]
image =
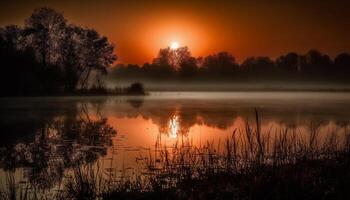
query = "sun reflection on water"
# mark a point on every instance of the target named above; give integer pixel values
(174, 126)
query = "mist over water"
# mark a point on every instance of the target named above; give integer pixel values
(230, 86)
(195, 118)
(68, 131)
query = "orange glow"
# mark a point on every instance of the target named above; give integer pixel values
(175, 31)
(140, 28)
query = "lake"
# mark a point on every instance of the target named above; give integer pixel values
(44, 137)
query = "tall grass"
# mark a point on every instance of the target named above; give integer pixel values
(249, 164)
(248, 158)
(22, 190)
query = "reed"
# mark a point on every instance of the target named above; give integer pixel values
(248, 164)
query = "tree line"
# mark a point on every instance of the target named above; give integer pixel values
(49, 56)
(180, 64)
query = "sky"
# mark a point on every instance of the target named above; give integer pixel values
(138, 29)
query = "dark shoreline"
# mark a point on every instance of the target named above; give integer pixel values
(252, 90)
(76, 95)
(184, 90)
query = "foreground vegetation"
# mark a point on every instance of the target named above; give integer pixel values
(250, 164)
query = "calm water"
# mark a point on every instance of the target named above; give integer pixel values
(42, 138)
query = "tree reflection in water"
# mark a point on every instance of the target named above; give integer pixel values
(66, 141)
(44, 137)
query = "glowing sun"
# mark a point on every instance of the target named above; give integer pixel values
(174, 45)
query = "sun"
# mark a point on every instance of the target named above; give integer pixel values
(174, 45)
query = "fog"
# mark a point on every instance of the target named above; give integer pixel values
(178, 85)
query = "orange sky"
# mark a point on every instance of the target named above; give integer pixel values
(267, 28)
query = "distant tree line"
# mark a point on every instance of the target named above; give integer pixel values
(49, 56)
(180, 64)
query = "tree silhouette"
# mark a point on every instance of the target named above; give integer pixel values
(188, 68)
(70, 58)
(45, 29)
(315, 63)
(179, 64)
(97, 53)
(19, 72)
(289, 62)
(220, 64)
(342, 62)
(49, 56)
(258, 65)
(172, 57)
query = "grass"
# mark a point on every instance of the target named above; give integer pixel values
(23, 190)
(250, 164)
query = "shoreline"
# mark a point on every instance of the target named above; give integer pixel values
(179, 91)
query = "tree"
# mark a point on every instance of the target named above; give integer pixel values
(258, 65)
(49, 56)
(45, 30)
(342, 62)
(11, 37)
(70, 58)
(19, 69)
(172, 57)
(188, 67)
(289, 62)
(168, 62)
(97, 54)
(315, 63)
(222, 63)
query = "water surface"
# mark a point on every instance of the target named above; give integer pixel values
(43, 137)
